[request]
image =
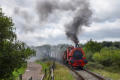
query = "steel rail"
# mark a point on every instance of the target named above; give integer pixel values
(97, 76)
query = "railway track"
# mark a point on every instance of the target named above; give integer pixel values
(97, 76)
(86, 75)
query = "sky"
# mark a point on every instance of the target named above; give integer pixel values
(35, 30)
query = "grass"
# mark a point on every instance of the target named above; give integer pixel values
(107, 74)
(60, 73)
(45, 65)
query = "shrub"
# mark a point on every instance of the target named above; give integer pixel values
(107, 57)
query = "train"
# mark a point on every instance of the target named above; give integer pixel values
(75, 57)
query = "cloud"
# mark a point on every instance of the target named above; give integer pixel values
(102, 31)
(105, 10)
(102, 34)
(105, 21)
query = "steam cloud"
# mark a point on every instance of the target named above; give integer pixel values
(80, 8)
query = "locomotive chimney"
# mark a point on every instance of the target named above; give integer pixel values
(76, 44)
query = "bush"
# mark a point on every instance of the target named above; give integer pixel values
(108, 57)
(92, 65)
(92, 46)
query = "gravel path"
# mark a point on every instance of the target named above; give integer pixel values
(33, 71)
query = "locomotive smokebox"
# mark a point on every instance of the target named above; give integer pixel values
(77, 44)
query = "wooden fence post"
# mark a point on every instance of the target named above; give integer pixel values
(45, 72)
(20, 76)
(52, 72)
(49, 73)
(30, 78)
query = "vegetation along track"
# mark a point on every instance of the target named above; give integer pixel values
(86, 75)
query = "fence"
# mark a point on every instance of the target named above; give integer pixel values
(49, 73)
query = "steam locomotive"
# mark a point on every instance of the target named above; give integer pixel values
(75, 57)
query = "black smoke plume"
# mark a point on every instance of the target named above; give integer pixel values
(81, 18)
(80, 8)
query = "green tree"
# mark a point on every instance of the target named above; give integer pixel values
(108, 57)
(90, 48)
(13, 53)
(107, 43)
(115, 44)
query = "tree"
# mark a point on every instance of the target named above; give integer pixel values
(115, 44)
(92, 46)
(108, 57)
(107, 43)
(13, 53)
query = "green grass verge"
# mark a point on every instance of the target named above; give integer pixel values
(107, 74)
(45, 65)
(62, 73)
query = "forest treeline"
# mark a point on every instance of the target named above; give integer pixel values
(104, 54)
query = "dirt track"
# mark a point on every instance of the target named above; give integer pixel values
(33, 71)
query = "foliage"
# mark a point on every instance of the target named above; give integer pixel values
(103, 59)
(108, 57)
(92, 46)
(115, 44)
(19, 71)
(94, 65)
(6, 27)
(13, 53)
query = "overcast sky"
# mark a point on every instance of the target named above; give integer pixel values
(104, 26)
